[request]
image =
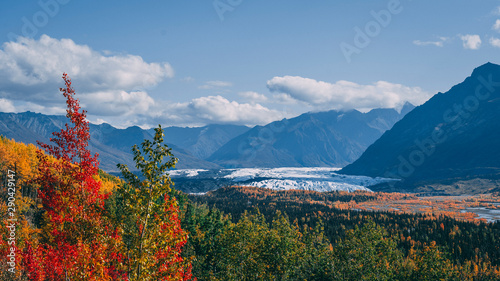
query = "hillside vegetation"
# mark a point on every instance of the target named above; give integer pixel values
(257, 234)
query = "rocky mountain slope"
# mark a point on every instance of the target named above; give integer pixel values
(318, 139)
(455, 136)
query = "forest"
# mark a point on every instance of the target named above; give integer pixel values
(468, 246)
(67, 220)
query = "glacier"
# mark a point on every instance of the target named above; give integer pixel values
(320, 179)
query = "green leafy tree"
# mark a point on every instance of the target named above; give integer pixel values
(206, 227)
(317, 259)
(155, 239)
(430, 263)
(367, 254)
(253, 249)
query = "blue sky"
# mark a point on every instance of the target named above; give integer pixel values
(191, 63)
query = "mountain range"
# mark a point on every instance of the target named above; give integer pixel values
(449, 142)
(329, 138)
(113, 145)
(321, 139)
(201, 142)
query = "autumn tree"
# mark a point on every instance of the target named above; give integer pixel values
(154, 239)
(367, 254)
(430, 263)
(18, 206)
(77, 242)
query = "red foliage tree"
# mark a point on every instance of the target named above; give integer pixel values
(77, 242)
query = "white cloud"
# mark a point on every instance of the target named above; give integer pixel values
(495, 42)
(31, 69)
(111, 87)
(345, 95)
(439, 43)
(427, 43)
(187, 79)
(107, 85)
(496, 11)
(98, 121)
(215, 109)
(215, 84)
(22, 106)
(283, 98)
(7, 106)
(117, 103)
(472, 42)
(496, 26)
(253, 97)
